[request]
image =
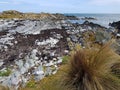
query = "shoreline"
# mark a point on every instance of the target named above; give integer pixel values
(37, 46)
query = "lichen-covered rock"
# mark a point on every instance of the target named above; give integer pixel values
(102, 36)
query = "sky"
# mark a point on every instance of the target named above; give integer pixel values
(62, 6)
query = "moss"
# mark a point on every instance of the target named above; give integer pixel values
(31, 83)
(65, 59)
(7, 72)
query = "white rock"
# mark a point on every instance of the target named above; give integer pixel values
(118, 34)
(1, 63)
(54, 59)
(39, 72)
(50, 41)
(66, 51)
(16, 42)
(59, 61)
(54, 72)
(52, 54)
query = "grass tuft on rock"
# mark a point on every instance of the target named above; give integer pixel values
(91, 69)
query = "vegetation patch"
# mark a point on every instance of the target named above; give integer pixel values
(6, 72)
(65, 59)
(31, 83)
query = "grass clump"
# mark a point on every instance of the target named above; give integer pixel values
(7, 72)
(91, 69)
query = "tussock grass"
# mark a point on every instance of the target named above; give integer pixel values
(91, 69)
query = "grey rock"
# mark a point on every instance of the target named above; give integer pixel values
(74, 38)
(102, 36)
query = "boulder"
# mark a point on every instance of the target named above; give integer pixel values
(102, 36)
(72, 17)
(116, 25)
(92, 25)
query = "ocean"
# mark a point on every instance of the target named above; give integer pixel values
(102, 19)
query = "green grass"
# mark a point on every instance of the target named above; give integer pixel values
(65, 59)
(7, 72)
(31, 84)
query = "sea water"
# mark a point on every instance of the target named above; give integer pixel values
(101, 19)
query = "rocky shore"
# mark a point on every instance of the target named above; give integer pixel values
(34, 44)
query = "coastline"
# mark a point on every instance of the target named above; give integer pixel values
(35, 44)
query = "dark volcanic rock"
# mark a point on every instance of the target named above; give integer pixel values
(30, 53)
(60, 16)
(72, 18)
(25, 43)
(116, 25)
(3, 33)
(92, 25)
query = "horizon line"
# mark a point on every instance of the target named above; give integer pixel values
(63, 12)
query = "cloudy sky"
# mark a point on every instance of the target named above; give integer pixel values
(62, 6)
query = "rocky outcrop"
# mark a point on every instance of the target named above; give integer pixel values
(72, 17)
(60, 16)
(28, 26)
(10, 14)
(26, 55)
(116, 25)
(92, 26)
